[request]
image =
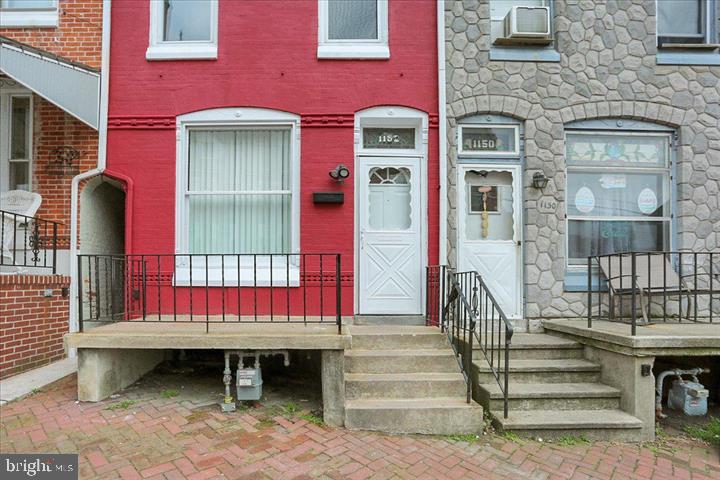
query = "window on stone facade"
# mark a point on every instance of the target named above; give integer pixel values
(183, 29)
(687, 23)
(353, 29)
(28, 13)
(618, 193)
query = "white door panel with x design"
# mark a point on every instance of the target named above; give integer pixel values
(390, 263)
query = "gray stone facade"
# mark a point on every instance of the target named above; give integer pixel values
(607, 70)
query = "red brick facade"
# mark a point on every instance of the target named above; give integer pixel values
(32, 325)
(53, 129)
(78, 38)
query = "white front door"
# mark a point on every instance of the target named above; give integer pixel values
(390, 263)
(489, 230)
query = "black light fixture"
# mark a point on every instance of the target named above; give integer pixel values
(340, 173)
(539, 180)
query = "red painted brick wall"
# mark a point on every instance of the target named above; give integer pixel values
(267, 57)
(31, 325)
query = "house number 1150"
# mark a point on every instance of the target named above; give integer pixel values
(547, 205)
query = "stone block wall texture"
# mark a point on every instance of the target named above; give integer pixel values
(78, 37)
(607, 70)
(32, 325)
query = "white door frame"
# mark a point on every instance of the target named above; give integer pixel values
(400, 117)
(518, 211)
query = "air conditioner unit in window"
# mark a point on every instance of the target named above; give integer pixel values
(527, 23)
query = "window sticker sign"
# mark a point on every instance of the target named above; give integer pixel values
(647, 201)
(585, 200)
(613, 181)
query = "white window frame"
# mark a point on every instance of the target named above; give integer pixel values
(709, 19)
(31, 17)
(667, 219)
(488, 154)
(251, 272)
(159, 49)
(355, 48)
(6, 96)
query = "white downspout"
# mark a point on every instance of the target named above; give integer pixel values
(442, 132)
(102, 150)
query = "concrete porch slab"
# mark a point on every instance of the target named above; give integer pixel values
(651, 340)
(193, 335)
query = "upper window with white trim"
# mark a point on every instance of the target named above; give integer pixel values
(28, 13)
(183, 29)
(353, 29)
(688, 24)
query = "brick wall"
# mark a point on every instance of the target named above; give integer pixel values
(78, 36)
(31, 325)
(54, 128)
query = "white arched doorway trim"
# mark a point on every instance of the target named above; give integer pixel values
(390, 139)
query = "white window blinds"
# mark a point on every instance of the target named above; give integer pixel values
(239, 191)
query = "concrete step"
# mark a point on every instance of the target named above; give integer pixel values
(396, 337)
(401, 361)
(526, 346)
(538, 345)
(533, 354)
(401, 385)
(542, 371)
(591, 424)
(553, 396)
(389, 320)
(437, 416)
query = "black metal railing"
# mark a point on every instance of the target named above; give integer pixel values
(668, 286)
(462, 306)
(210, 288)
(28, 241)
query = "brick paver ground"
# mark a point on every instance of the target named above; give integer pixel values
(172, 438)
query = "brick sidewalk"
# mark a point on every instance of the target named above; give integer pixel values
(170, 438)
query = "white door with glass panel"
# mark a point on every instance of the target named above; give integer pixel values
(390, 264)
(489, 223)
